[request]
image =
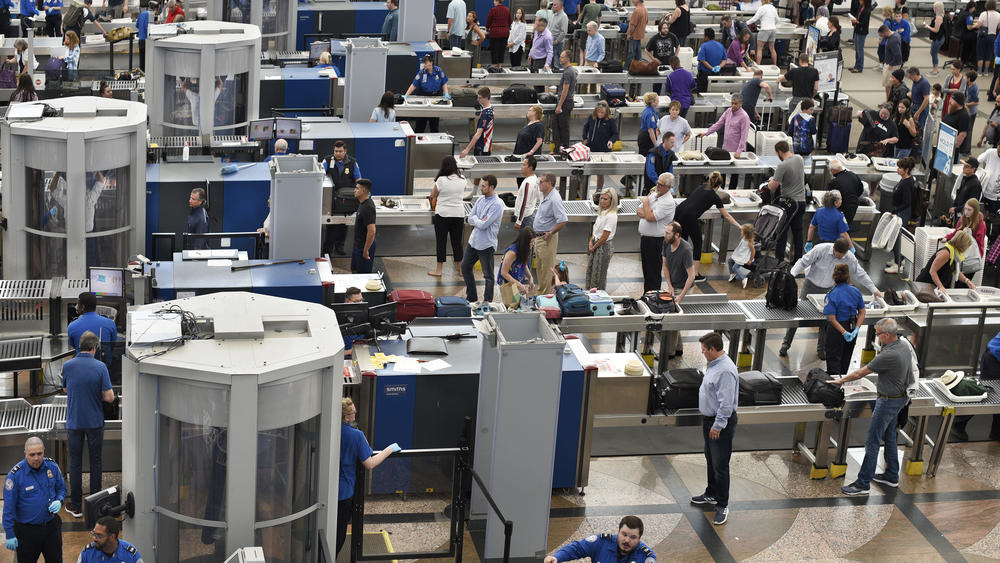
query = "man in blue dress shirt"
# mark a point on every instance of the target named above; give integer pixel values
(107, 547)
(485, 220)
(550, 218)
(33, 493)
(87, 384)
(89, 320)
(717, 399)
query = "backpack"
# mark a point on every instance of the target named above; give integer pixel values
(660, 302)
(715, 153)
(573, 301)
(819, 389)
(782, 291)
(519, 94)
(73, 15)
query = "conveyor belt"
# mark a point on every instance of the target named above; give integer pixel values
(991, 404)
(21, 354)
(18, 416)
(793, 392)
(804, 314)
(578, 207)
(727, 308)
(628, 206)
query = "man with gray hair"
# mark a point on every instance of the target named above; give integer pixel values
(655, 211)
(87, 385)
(894, 367)
(850, 187)
(33, 493)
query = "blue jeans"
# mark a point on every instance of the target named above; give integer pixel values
(455, 40)
(95, 440)
(359, 264)
(485, 258)
(882, 429)
(739, 270)
(902, 153)
(935, 49)
(717, 455)
(556, 49)
(634, 52)
(859, 50)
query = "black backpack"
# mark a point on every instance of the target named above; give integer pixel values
(759, 388)
(519, 94)
(819, 389)
(782, 291)
(660, 302)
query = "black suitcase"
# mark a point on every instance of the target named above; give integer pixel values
(678, 389)
(612, 91)
(759, 388)
(519, 94)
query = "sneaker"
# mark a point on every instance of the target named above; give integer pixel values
(892, 269)
(783, 351)
(721, 515)
(732, 278)
(703, 499)
(75, 512)
(853, 489)
(881, 478)
(745, 280)
(699, 277)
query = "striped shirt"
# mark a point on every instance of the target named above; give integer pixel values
(485, 142)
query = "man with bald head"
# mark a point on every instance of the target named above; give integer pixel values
(850, 188)
(33, 493)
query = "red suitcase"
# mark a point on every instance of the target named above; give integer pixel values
(413, 303)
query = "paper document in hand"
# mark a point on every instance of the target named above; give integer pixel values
(860, 390)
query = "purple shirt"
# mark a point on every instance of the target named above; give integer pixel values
(735, 52)
(680, 83)
(736, 132)
(541, 46)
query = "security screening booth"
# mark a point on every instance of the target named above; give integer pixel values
(74, 185)
(233, 421)
(275, 18)
(219, 59)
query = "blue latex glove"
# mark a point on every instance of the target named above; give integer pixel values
(809, 246)
(12, 543)
(55, 506)
(447, 96)
(395, 447)
(404, 97)
(853, 250)
(849, 336)
(996, 60)
(716, 68)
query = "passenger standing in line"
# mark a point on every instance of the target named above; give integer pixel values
(564, 105)
(449, 212)
(549, 220)
(558, 27)
(655, 211)
(894, 367)
(599, 247)
(456, 22)
(89, 320)
(198, 218)
(636, 32)
(528, 195)
(600, 132)
(850, 188)
(485, 219)
(33, 494)
(718, 398)
(87, 384)
(363, 254)
(680, 83)
(498, 22)
(540, 55)
(516, 38)
(845, 313)
(791, 178)
(354, 449)
(390, 25)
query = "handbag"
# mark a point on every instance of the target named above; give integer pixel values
(577, 152)
(510, 295)
(644, 68)
(973, 261)
(924, 291)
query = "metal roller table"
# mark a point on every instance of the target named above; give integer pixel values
(948, 410)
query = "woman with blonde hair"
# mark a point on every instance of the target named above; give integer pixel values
(600, 248)
(647, 128)
(937, 35)
(600, 133)
(942, 269)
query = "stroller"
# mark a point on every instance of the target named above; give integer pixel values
(773, 220)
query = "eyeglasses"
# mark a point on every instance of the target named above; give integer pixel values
(97, 536)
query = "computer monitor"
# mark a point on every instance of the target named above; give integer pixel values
(99, 505)
(285, 128)
(261, 130)
(107, 282)
(350, 314)
(382, 314)
(317, 48)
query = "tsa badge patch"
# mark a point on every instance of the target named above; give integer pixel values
(592, 539)
(9, 485)
(49, 473)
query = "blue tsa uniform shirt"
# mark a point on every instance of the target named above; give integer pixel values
(126, 553)
(428, 83)
(844, 301)
(103, 327)
(604, 549)
(27, 494)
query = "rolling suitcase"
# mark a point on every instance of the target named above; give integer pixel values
(413, 303)
(452, 306)
(549, 305)
(601, 303)
(678, 389)
(759, 388)
(838, 139)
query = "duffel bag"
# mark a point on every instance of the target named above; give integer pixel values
(519, 94)
(818, 389)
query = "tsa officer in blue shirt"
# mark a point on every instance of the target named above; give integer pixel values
(354, 449)
(625, 547)
(828, 220)
(430, 81)
(106, 547)
(89, 320)
(710, 57)
(33, 493)
(845, 312)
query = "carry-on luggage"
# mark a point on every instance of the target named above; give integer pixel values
(573, 301)
(601, 303)
(660, 302)
(819, 389)
(678, 389)
(549, 305)
(452, 306)
(759, 388)
(413, 303)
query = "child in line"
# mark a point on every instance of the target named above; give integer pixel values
(743, 256)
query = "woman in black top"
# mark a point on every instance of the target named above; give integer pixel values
(906, 128)
(680, 22)
(935, 26)
(529, 138)
(831, 41)
(943, 269)
(902, 204)
(966, 22)
(690, 210)
(600, 133)
(860, 19)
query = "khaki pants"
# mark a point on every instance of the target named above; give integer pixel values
(545, 254)
(589, 88)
